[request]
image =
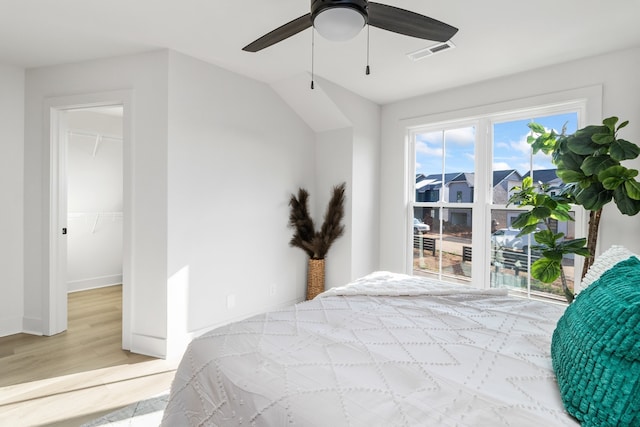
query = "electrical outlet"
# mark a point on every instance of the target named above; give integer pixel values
(231, 301)
(272, 289)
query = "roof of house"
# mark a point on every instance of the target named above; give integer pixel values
(499, 176)
(433, 181)
(543, 175)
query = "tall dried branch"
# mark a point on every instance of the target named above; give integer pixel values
(332, 227)
(316, 244)
(301, 222)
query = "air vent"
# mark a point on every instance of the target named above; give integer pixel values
(431, 50)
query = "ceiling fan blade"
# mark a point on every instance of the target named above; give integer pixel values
(287, 30)
(409, 23)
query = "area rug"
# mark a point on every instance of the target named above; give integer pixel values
(144, 413)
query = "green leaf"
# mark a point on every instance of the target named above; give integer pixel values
(546, 270)
(549, 201)
(596, 164)
(521, 220)
(541, 212)
(623, 150)
(567, 175)
(632, 188)
(610, 122)
(582, 145)
(574, 246)
(530, 228)
(602, 138)
(593, 197)
(574, 243)
(553, 254)
(623, 124)
(613, 182)
(536, 127)
(570, 160)
(582, 252)
(545, 143)
(614, 176)
(625, 204)
(547, 237)
(590, 130)
(561, 215)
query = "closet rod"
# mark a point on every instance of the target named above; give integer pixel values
(77, 214)
(93, 135)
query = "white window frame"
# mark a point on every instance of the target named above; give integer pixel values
(587, 102)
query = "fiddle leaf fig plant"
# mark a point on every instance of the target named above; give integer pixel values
(589, 164)
(547, 203)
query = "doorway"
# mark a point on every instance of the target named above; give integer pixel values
(94, 197)
(90, 202)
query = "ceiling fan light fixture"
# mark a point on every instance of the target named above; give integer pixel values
(343, 20)
(339, 23)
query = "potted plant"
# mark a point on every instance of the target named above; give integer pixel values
(589, 164)
(316, 244)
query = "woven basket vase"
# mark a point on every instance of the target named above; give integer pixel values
(315, 278)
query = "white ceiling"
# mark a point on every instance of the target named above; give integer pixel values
(496, 37)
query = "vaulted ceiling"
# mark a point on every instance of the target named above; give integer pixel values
(496, 38)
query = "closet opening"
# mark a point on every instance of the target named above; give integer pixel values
(90, 231)
(94, 198)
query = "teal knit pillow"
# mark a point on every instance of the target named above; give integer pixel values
(595, 350)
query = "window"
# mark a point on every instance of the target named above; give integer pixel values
(444, 200)
(464, 175)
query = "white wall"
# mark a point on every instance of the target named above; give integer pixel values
(350, 155)
(364, 171)
(145, 76)
(333, 162)
(94, 199)
(616, 72)
(12, 84)
(236, 153)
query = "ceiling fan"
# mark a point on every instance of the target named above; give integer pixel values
(341, 20)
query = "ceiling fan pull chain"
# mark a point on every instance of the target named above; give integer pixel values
(368, 70)
(313, 46)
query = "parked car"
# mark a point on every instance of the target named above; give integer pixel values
(508, 238)
(419, 227)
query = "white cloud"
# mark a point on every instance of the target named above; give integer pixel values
(423, 148)
(521, 145)
(501, 166)
(462, 136)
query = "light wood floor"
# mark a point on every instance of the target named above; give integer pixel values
(80, 374)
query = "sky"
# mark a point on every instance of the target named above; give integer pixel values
(510, 147)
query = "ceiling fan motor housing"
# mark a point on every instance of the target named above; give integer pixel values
(318, 6)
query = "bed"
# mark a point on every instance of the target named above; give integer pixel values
(386, 350)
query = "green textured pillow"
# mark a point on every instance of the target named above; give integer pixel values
(595, 350)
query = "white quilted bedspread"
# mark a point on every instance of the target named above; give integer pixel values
(387, 350)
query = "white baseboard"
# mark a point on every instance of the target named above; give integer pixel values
(94, 282)
(32, 326)
(10, 326)
(149, 346)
